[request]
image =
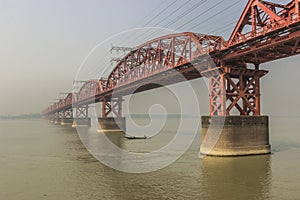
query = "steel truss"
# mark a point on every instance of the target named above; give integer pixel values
(232, 87)
(67, 114)
(82, 111)
(112, 107)
(265, 32)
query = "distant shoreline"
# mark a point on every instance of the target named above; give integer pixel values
(22, 116)
(160, 116)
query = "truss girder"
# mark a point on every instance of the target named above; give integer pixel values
(234, 90)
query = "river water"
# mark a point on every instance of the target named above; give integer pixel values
(39, 160)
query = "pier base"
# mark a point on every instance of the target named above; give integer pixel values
(111, 124)
(81, 122)
(235, 135)
(57, 121)
(66, 121)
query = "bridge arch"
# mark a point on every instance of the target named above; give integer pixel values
(89, 89)
(55, 105)
(61, 103)
(167, 52)
(70, 98)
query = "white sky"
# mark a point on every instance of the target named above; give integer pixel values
(44, 42)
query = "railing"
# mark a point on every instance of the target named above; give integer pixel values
(270, 27)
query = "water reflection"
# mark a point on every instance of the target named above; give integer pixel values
(236, 177)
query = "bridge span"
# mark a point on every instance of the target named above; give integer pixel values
(265, 32)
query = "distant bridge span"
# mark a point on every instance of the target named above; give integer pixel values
(265, 32)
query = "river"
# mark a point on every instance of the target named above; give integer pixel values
(39, 160)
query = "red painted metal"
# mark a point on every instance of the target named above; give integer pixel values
(89, 90)
(232, 87)
(265, 32)
(162, 54)
(113, 106)
(264, 17)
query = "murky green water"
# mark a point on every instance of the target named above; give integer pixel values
(39, 160)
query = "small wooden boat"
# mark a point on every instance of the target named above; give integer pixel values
(130, 137)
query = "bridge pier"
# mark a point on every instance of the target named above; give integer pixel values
(57, 118)
(67, 117)
(235, 135)
(235, 90)
(112, 124)
(66, 121)
(52, 118)
(81, 117)
(81, 122)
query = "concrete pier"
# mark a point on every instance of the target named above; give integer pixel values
(66, 121)
(81, 122)
(57, 121)
(235, 135)
(111, 124)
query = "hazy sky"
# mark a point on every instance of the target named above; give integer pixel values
(44, 42)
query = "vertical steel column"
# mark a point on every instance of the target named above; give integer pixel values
(119, 102)
(217, 95)
(257, 96)
(63, 114)
(104, 108)
(253, 13)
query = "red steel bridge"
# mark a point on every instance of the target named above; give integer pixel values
(265, 32)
